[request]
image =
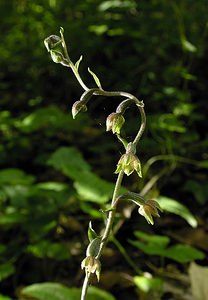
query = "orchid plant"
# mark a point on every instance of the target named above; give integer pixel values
(127, 164)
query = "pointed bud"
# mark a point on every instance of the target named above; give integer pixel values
(77, 107)
(114, 122)
(149, 209)
(52, 41)
(57, 56)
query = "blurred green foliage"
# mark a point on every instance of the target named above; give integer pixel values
(56, 173)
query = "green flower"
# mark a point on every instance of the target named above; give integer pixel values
(129, 163)
(114, 122)
(91, 265)
(148, 209)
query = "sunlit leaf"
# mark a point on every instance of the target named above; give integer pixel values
(88, 185)
(183, 253)
(188, 46)
(15, 176)
(43, 249)
(147, 284)
(173, 206)
(158, 245)
(56, 291)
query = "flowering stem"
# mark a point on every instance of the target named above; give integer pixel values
(106, 233)
(63, 58)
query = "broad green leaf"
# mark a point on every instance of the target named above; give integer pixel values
(146, 284)
(50, 290)
(92, 188)
(183, 253)
(173, 206)
(43, 249)
(158, 245)
(88, 185)
(12, 218)
(48, 118)
(14, 176)
(78, 63)
(52, 186)
(95, 293)
(2, 297)
(154, 239)
(97, 81)
(203, 164)
(2, 248)
(56, 291)
(6, 270)
(68, 160)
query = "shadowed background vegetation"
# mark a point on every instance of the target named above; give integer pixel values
(57, 173)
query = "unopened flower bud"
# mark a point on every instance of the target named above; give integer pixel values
(57, 56)
(77, 107)
(52, 41)
(91, 265)
(129, 163)
(150, 209)
(114, 122)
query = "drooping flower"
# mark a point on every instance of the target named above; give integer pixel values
(129, 163)
(91, 265)
(150, 209)
(114, 122)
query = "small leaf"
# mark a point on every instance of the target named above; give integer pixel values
(6, 270)
(173, 206)
(188, 46)
(91, 232)
(97, 81)
(183, 253)
(147, 284)
(78, 62)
